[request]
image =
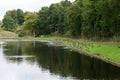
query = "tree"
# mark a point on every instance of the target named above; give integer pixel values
(73, 19)
(51, 20)
(43, 21)
(109, 20)
(89, 19)
(57, 16)
(8, 23)
(30, 23)
(20, 17)
(63, 5)
(17, 16)
(12, 14)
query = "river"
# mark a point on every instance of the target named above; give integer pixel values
(33, 60)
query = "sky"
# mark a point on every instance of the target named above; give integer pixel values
(25, 5)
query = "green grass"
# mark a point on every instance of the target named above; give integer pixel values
(106, 50)
(7, 34)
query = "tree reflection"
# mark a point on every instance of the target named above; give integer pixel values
(60, 61)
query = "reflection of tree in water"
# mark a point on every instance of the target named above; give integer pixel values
(18, 48)
(18, 60)
(60, 61)
(14, 60)
(15, 52)
(69, 63)
(14, 48)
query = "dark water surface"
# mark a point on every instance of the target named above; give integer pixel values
(41, 61)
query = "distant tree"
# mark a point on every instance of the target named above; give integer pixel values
(89, 19)
(57, 16)
(30, 23)
(51, 20)
(12, 14)
(44, 21)
(16, 16)
(73, 19)
(20, 17)
(8, 23)
(63, 5)
(108, 18)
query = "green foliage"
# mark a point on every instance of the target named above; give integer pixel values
(12, 14)
(94, 19)
(91, 19)
(12, 19)
(20, 17)
(73, 20)
(52, 19)
(8, 23)
(43, 21)
(21, 33)
(30, 22)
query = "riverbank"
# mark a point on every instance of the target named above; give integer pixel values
(106, 51)
(5, 35)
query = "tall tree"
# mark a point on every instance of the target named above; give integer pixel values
(63, 5)
(8, 23)
(43, 21)
(12, 14)
(73, 19)
(109, 20)
(30, 23)
(20, 17)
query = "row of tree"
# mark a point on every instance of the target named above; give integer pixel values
(12, 19)
(91, 19)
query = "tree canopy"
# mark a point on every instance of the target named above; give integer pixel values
(91, 19)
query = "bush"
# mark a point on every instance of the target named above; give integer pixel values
(20, 33)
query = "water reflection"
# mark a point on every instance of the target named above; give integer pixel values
(40, 61)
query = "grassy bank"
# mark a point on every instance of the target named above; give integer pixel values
(7, 35)
(105, 50)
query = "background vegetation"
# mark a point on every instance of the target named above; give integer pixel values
(90, 19)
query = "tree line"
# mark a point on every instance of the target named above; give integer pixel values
(91, 19)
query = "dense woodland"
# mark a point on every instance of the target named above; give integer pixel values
(90, 19)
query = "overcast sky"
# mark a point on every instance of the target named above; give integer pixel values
(25, 5)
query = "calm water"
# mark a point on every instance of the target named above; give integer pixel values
(41, 61)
